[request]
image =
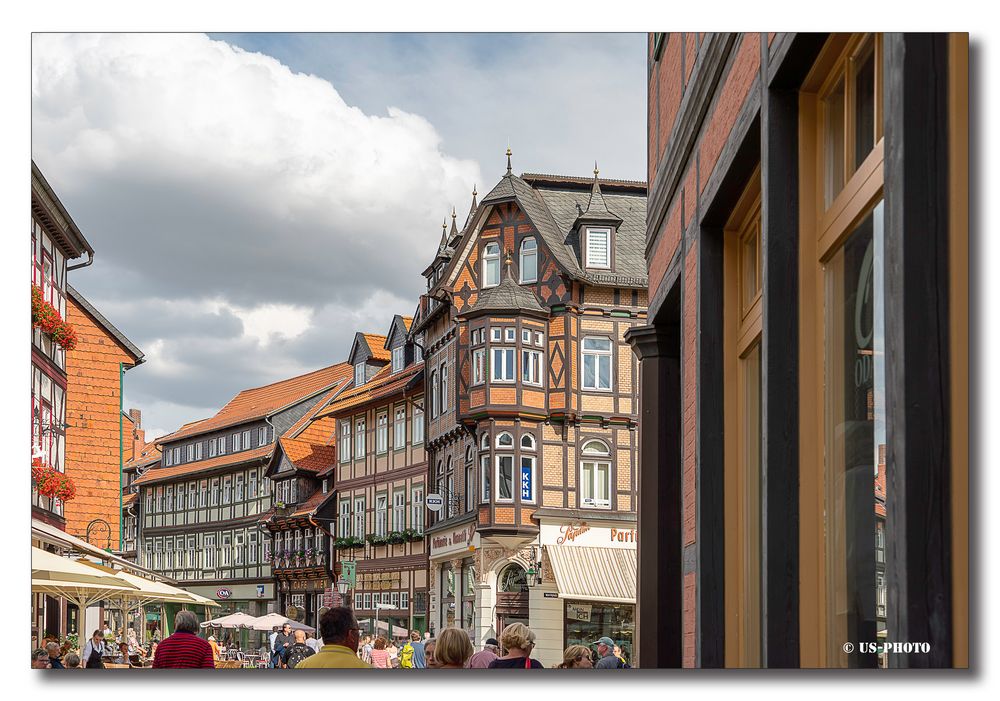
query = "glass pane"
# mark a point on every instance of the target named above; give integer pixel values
(506, 486)
(605, 372)
(833, 114)
(589, 370)
(864, 103)
(749, 265)
(855, 442)
(587, 485)
(597, 344)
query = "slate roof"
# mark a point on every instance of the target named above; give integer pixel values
(256, 403)
(161, 474)
(554, 204)
(507, 296)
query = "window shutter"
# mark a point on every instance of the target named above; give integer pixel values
(597, 248)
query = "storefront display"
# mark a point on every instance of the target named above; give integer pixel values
(587, 621)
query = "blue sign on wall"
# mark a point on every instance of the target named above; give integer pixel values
(526, 486)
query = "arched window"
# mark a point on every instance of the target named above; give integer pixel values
(434, 394)
(527, 442)
(491, 265)
(505, 440)
(595, 447)
(470, 454)
(485, 442)
(528, 263)
(512, 579)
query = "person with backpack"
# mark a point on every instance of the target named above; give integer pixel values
(298, 650)
(412, 655)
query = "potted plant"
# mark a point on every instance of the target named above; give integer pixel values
(397, 538)
(375, 540)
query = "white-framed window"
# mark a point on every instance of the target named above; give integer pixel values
(526, 479)
(189, 453)
(227, 490)
(491, 265)
(417, 509)
(210, 552)
(381, 513)
(502, 367)
(596, 365)
(598, 248)
(227, 550)
(595, 475)
(150, 503)
(222, 445)
(239, 547)
(505, 440)
(434, 394)
(169, 499)
(192, 500)
(509, 333)
(192, 553)
(177, 455)
(215, 492)
(262, 435)
(203, 495)
(470, 480)
(211, 448)
(344, 525)
(418, 423)
(404, 599)
(359, 374)
(252, 485)
(398, 510)
(197, 450)
(239, 487)
(237, 442)
(382, 433)
(167, 462)
(394, 599)
(367, 601)
(359, 517)
(359, 601)
(246, 439)
(398, 358)
(444, 387)
(531, 367)
(529, 260)
(484, 441)
(359, 439)
(526, 337)
(180, 497)
(505, 478)
(478, 366)
(527, 442)
(399, 428)
(345, 441)
(252, 548)
(539, 339)
(495, 333)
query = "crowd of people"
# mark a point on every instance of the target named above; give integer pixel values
(341, 646)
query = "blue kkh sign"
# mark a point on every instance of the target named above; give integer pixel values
(526, 483)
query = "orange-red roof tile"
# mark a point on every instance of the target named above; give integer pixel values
(385, 383)
(165, 473)
(129, 498)
(256, 403)
(376, 344)
(310, 504)
(149, 453)
(308, 456)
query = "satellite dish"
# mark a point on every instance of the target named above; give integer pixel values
(434, 502)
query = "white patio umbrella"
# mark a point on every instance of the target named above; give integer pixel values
(233, 620)
(276, 620)
(397, 632)
(80, 584)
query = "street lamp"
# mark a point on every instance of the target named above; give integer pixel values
(343, 584)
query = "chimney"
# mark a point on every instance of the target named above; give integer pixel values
(136, 416)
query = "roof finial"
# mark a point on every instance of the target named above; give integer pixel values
(453, 213)
(508, 160)
(508, 260)
(596, 171)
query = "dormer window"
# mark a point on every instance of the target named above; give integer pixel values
(491, 265)
(398, 358)
(528, 263)
(598, 248)
(359, 374)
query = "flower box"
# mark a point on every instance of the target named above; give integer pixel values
(51, 483)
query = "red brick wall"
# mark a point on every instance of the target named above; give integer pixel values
(92, 410)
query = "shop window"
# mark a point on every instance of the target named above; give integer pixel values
(587, 621)
(512, 579)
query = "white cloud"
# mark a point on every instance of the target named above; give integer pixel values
(269, 322)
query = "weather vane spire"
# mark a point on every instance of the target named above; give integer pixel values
(508, 160)
(596, 171)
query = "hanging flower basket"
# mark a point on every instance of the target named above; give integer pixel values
(46, 317)
(51, 483)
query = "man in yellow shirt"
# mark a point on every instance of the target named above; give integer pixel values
(341, 635)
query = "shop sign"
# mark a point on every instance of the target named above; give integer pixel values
(463, 538)
(260, 591)
(526, 486)
(578, 612)
(348, 569)
(434, 502)
(551, 595)
(586, 534)
(223, 593)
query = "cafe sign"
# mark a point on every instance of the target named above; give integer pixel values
(586, 534)
(457, 540)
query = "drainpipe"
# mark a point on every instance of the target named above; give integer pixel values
(121, 450)
(89, 261)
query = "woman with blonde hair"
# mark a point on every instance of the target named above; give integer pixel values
(576, 657)
(453, 649)
(519, 640)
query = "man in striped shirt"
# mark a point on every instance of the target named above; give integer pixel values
(184, 649)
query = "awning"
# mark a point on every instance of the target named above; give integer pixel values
(80, 584)
(594, 574)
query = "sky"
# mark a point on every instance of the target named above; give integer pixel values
(253, 200)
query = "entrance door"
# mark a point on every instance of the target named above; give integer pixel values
(512, 597)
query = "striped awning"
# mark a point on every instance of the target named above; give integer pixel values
(594, 574)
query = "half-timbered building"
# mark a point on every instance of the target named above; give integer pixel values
(201, 507)
(381, 480)
(533, 409)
